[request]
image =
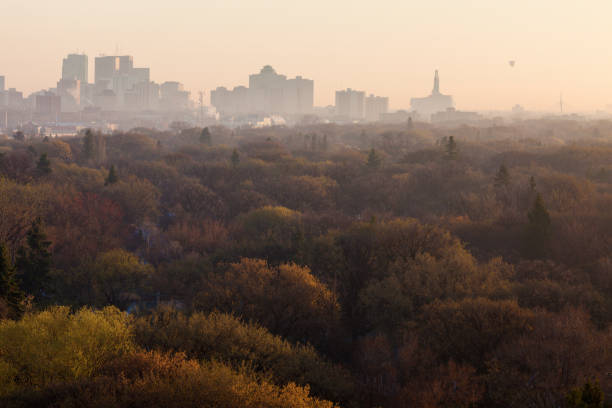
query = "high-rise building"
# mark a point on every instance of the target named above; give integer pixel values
(48, 103)
(349, 104)
(2, 83)
(126, 64)
(174, 96)
(375, 107)
(128, 84)
(299, 95)
(142, 96)
(14, 99)
(76, 66)
(268, 93)
(69, 91)
(106, 68)
(436, 102)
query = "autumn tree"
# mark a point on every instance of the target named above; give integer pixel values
(286, 299)
(470, 329)
(224, 337)
(118, 278)
(56, 345)
(271, 232)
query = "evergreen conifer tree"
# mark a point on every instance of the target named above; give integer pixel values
(43, 166)
(451, 148)
(33, 261)
(88, 144)
(235, 158)
(502, 178)
(532, 184)
(538, 229)
(205, 137)
(112, 176)
(9, 286)
(374, 160)
(589, 395)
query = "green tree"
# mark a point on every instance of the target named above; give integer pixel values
(112, 176)
(88, 144)
(538, 229)
(235, 158)
(205, 137)
(374, 160)
(532, 185)
(94, 146)
(502, 177)
(118, 278)
(43, 166)
(33, 261)
(589, 395)
(324, 145)
(10, 292)
(451, 148)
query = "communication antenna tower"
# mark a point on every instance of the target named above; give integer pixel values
(561, 102)
(201, 100)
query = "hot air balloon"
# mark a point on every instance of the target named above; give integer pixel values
(511, 62)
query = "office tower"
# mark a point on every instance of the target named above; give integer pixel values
(349, 104)
(2, 83)
(48, 103)
(375, 107)
(75, 66)
(117, 81)
(126, 64)
(268, 93)
(106, 68)
(173, 96)
(69, 91)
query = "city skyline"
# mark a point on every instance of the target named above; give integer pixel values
(390, 48)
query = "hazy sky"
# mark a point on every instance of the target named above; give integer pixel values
(385, 47)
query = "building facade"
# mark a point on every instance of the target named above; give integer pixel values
(436, 102)
(76, 67)
(375, 107)
(267, 93)
(48, 104)
(350, 104)
(116, 79)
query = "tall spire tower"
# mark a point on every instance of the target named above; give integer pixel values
(436, 88)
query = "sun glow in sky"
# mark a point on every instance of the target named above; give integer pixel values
(386, 47)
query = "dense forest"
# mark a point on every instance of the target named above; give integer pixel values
(315, 266)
